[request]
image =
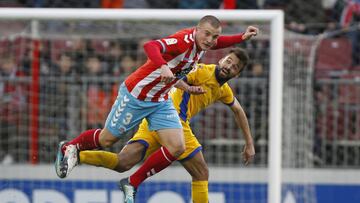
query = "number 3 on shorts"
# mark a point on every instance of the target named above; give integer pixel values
(127, 119)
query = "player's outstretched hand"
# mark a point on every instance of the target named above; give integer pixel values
(166, 75)
(251, 31)
(248, 153)
(196, 90)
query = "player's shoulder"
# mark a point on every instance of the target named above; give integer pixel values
(181, 40)
(226, 89)
(207, 68)
(185, 31)
(185, 35)
(203, 71)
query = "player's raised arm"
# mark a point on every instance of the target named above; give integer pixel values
(242, 122)
(228, 40)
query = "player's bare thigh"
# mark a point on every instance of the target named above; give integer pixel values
(197, 167)
(173, 140)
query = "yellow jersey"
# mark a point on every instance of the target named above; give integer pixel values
(188, 105)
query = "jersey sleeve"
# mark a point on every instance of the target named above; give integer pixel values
(227, 95)
(176, 43)
(228, 40)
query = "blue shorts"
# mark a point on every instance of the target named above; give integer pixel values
(127, 112)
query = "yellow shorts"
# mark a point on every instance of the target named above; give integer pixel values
(151, 141)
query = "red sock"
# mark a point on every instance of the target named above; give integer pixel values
(86, 140)
(153, 164)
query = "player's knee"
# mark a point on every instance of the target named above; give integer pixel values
(181, 149)
(105, 143)
(106, 139)
(177, 150)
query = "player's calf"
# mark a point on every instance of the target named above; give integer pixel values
(129, 156)
(199, 172)
(197, 167)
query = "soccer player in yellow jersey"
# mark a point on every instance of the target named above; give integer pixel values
(209, 84)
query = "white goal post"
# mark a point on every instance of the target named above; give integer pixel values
(275, 17)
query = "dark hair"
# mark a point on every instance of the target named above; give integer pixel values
(212, 20)
(242, 55)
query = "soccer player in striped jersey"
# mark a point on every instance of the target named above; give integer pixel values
(212, 80)
(144, 94)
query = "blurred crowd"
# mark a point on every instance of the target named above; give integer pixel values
(302, 16)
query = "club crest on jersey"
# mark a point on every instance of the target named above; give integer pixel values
(170, 41)
(183, 72)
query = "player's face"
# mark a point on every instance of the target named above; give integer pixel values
(230, 66)
(206, 36)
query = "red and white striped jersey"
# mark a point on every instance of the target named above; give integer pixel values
(180, 52)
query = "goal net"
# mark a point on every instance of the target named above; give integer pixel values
(62, 69)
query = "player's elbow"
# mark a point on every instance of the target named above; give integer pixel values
(147, 44)
(151, 45)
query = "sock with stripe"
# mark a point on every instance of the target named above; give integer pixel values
(199, 192)
(85, 141)
(155, 163)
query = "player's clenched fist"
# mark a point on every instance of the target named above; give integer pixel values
(250, 32)
(166, 75)
(248, 153)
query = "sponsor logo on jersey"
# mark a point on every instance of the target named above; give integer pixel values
(170, 41)
(183, 72)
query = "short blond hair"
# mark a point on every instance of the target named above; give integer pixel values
(212, 20)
